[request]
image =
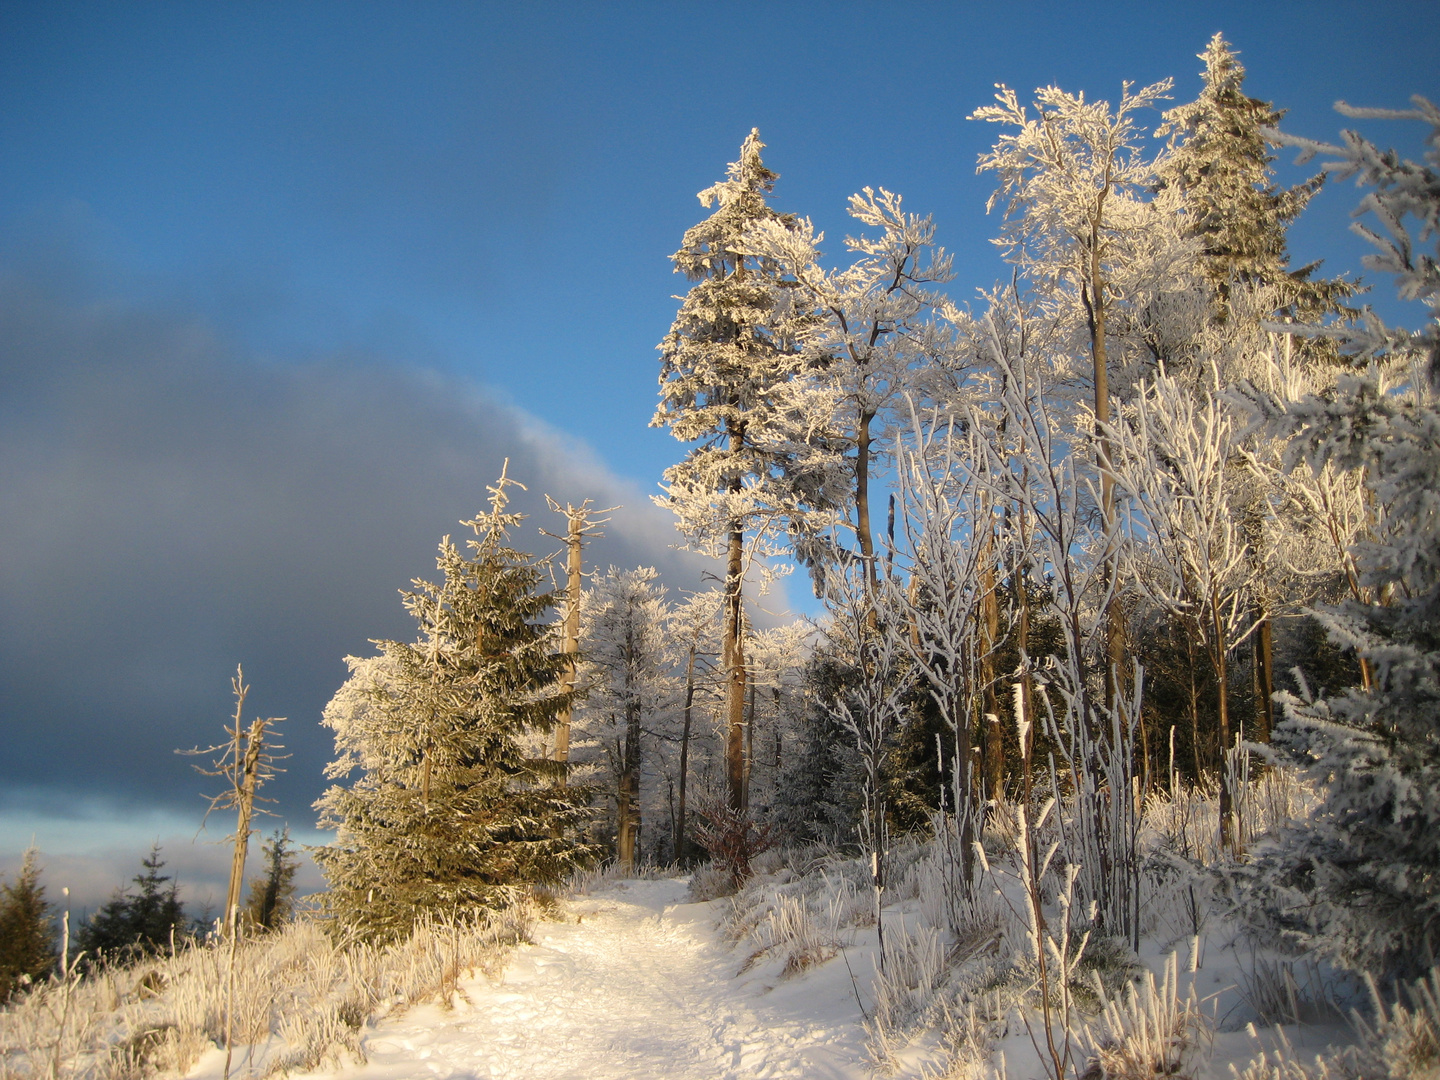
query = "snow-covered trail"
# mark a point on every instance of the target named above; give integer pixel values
(631, 983)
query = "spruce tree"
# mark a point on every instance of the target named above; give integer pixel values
(1360, 879)
(1222, 174)
(452, 810)
(27, 933)
(272, 897)
(149, 921)
(727, 381)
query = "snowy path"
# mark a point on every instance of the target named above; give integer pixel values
(632, 985)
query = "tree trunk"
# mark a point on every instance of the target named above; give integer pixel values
(680, 841)
(733, 662)
(249, 773)
(993, 746)
(570, 643)
(1093, 295)
(1264, 679)
(862, 497)
(749, 742)
(1228, 832)
(629, 808)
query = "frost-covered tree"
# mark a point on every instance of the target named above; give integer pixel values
(777, 657)
(27, 932)
(628, 687)
(945, 511)
(1219, 178)
(1360, 879)
(1188, 553)
(451, 810)
(881, 329)
(1220, 174)
(1073, 178)
(727, 375)
(692, 634)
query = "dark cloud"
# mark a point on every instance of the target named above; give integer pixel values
(170, 507)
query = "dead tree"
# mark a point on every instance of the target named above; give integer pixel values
(246, 762)
(581, 522)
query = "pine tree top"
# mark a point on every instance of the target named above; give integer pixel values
(1221, 169)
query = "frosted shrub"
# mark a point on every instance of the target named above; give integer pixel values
(906, 985)
(806, 919)
(299, 1001)
(1401, 1042)
(804, 937)
(1278, 995)
(971, 922)
(1152, 1032)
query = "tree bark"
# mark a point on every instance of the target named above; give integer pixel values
(249, 763)
(733, 662)
(1264, 679)
(992, 744)
(1229, 837)
(570, 643)
(680, 842)
(1093, 296)
(629, 820)
(862, 497)
(749, 741)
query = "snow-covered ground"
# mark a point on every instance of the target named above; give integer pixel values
(631, 983)
(634, 982)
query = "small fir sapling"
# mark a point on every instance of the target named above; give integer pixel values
(145, 922)
(27, 929)
(272, 895)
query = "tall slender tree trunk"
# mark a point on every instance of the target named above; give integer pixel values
(1218, 661)
(248, 754)
(863, 532)
(629, 808)
(733, 663)
(992, 744)
(749, 740)
(570, 643)
(1093, 295)
(680, 840)
(1264, 668)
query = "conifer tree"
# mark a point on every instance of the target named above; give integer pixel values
(727, 376)
(272, 896)
(451, 811)
(1360, 878)
(27, 933)
(1219, 174)
(146, 922)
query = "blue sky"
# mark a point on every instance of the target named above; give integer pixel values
(283, 282)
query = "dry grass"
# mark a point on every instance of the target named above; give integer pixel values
(299, 1001)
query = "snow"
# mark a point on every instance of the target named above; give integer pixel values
(630, 982)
